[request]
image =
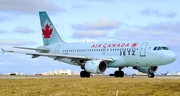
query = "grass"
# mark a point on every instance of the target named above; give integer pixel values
(89, 87)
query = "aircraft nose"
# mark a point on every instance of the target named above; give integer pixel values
(172, 57)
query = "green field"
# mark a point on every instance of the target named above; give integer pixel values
(89, 87)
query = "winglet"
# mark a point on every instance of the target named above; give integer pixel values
(3, 51)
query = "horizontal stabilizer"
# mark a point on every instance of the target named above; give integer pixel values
(43, 50)
(3, 51)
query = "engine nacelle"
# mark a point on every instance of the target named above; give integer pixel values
(95, 66)
(146, 69)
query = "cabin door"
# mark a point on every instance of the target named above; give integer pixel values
(143, 49)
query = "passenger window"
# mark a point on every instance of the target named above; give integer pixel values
(159, 48)
(155, 48)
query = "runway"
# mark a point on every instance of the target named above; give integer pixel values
(77, 76)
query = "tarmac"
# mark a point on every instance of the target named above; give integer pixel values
(77, 76)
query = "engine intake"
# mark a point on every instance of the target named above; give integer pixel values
(95, 66)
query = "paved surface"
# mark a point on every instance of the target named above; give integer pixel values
(127, 76)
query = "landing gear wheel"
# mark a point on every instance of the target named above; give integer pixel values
(119, 74)
(151, 75)
(87, 74)
(84, 74)
(116, 73)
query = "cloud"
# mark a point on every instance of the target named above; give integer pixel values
(2, 31)
(18, 42)
(23, 29)
(158, 13)
(5, 17)
(90, 33)
(94, 29)
(102, 0)
(78, 6)
(101, 24)
(163, 27)
(167, 32)
(89, 40)
(29, 6)
(2, 63)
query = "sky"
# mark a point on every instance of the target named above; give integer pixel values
(86, 20)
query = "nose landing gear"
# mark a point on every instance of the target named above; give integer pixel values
(151, 75)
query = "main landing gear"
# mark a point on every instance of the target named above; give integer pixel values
(119, 73)
(84, 74)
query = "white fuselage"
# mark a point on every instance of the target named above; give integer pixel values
(124, 54)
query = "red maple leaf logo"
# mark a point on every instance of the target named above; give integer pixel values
(47, 31)
(134, 44)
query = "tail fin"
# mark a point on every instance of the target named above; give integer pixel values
(49, 33)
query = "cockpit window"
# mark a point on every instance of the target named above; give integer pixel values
(161, 48)
(155, 48)
(165, 48)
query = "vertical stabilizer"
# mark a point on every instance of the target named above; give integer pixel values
(49, 33)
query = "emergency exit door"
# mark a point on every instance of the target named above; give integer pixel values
(57, 49)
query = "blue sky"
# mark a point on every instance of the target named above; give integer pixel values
(86, 20)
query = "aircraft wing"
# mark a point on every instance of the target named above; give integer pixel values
(34, 55)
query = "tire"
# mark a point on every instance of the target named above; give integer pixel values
(87, 74)
(121, 74)
(82, 74)
(116, 73)
(151, 75)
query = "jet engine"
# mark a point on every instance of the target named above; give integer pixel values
(95, 66)
(146, 69)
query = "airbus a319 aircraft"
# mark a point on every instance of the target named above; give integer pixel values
(96, 57)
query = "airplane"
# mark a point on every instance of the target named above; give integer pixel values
(96, 57)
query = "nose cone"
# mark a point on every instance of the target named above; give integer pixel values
(171, 57)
